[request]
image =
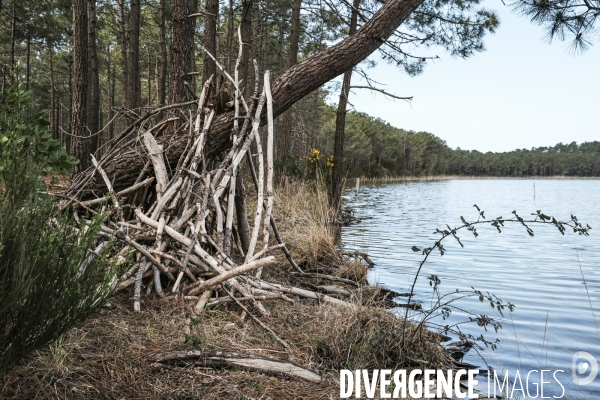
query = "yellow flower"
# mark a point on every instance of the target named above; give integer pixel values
(315, 155)
(329, 163)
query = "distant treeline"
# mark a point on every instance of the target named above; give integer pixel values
(373, 148)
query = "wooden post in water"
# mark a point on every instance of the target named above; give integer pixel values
(534, 190)
(357, 185)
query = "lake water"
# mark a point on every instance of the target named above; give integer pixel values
(555, 314)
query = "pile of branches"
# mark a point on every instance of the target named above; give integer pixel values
(178, 225)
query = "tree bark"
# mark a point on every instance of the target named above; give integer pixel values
(28, 63)
(12, 43)
(340, 125)
(162, 69)
(210, 41)
(53, 113)
(93, 95)
(182, 50)
(123, 45)
(243, 227)
(293, 60)
(111, 93)
(229, 35)
(245, 31)
(79, 142)
(290, 87)
(133, 66)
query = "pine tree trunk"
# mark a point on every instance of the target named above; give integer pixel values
(229, 36)
(134, 56)
(79, 146)
(246, 30)
(162, 69)
(123, 45)
(182, 49)
(53, 113)
(293, 59)
(93, 98)
(28, 63)
(111, 94)
(340, 126)
(12, 43)
(210, 41)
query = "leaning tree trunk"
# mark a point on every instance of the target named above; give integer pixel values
(340, 125)
(124, 164)
(79, 143)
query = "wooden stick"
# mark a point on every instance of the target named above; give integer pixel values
(155, 152)
(286, 252)
(238, 359)
(246, 298)
(119, 194)
(261, 175)
(144, 266)
(165, 198)
(229, 220)
(269, 208)
(267, 250)
(157, 246)
(203, 301)
(251, 266)
(141, 249)
(303, 293)
(111, 192)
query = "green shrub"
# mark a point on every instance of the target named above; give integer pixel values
(49, 280)
(24, 129)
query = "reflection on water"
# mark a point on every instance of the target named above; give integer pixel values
(542, 275)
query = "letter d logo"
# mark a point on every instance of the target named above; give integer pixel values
(582, 367)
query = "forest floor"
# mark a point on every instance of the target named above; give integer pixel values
(107, 355)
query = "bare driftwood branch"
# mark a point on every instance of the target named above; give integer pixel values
(217, 357)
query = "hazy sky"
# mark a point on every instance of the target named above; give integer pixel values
(520, 93)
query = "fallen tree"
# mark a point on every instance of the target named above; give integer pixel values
(122, 162)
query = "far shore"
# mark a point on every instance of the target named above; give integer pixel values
(430, 178)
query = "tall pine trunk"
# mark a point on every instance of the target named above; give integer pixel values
(79, 141)
(246, 30)
(12, 43)
(28, 63)
(53, 111)
(133, 73)
(340, 125)
(123, 45)
(182, 49)
(292, 60)
(162, 65)
(228, 51)
(93, 95)
(210, 41)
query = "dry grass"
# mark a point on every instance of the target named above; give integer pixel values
(303, 215)
(106, 357)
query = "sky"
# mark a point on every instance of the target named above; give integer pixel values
(520, 93)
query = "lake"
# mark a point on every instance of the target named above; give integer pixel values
(553, 280)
